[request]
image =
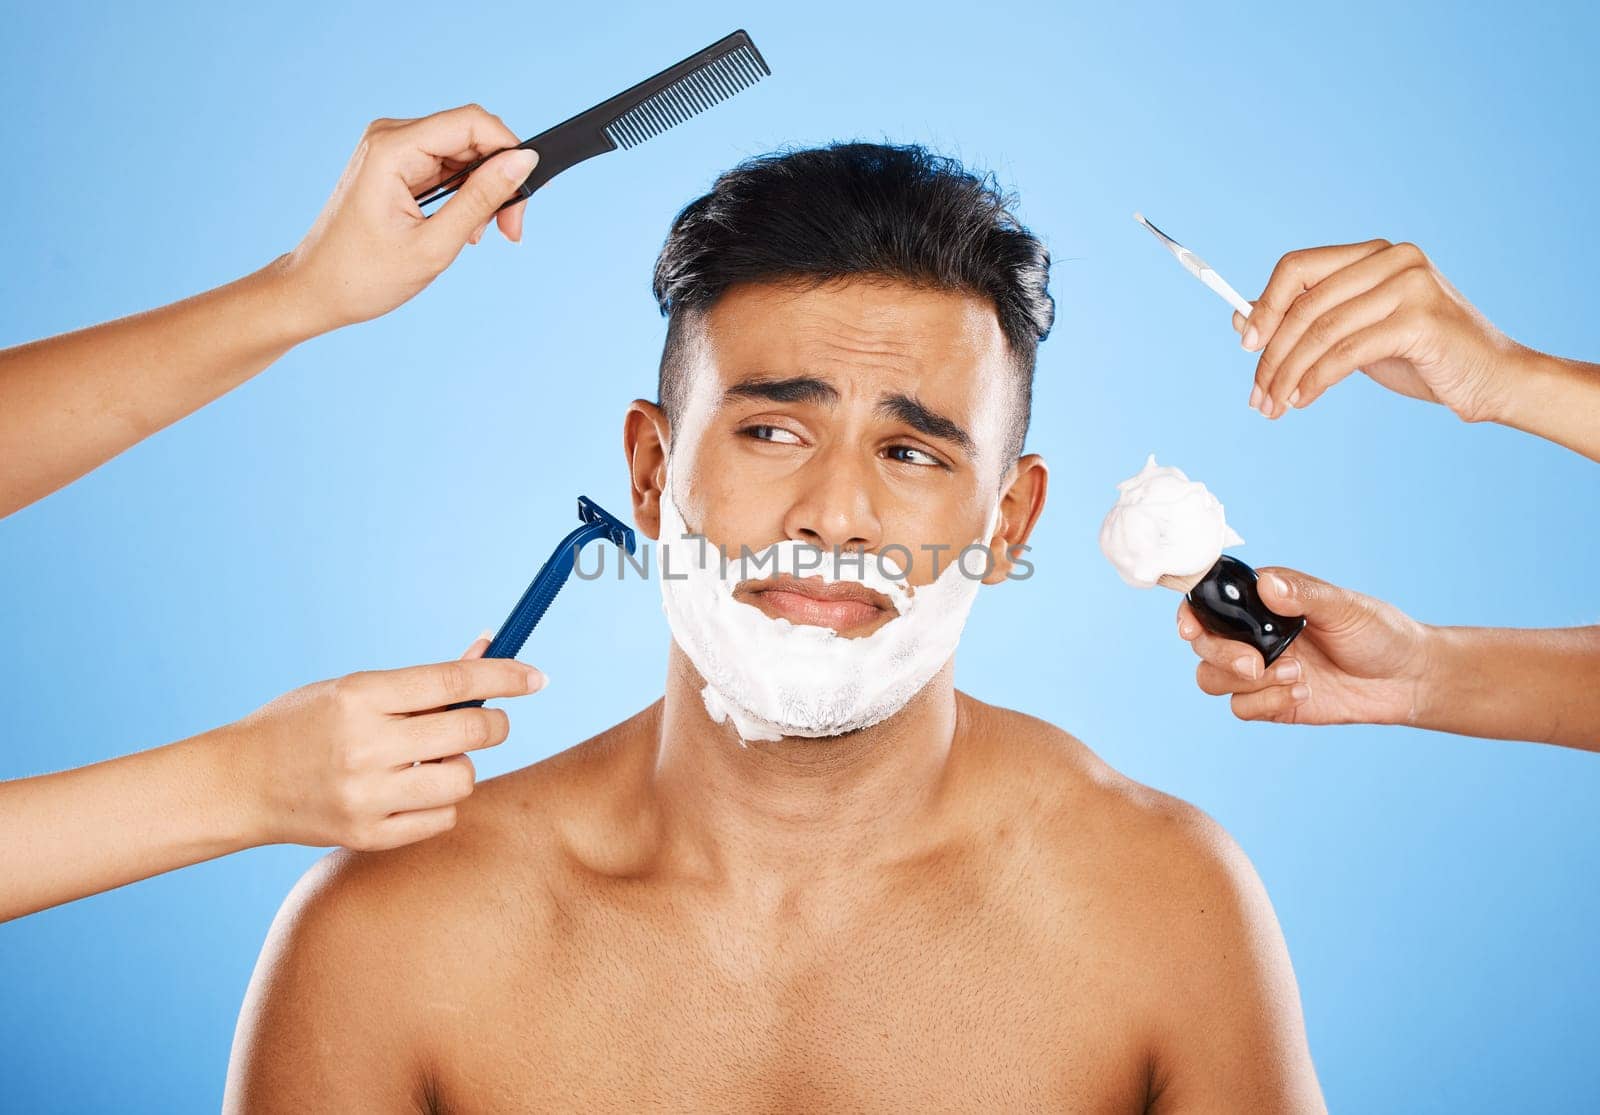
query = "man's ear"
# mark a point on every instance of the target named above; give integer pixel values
(1020, 507)
(645, 438)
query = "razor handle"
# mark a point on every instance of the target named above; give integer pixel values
(1227, 603)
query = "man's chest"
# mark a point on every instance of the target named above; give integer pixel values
(922, 1014)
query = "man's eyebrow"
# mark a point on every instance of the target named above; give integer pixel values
(920, 418)
(794, 389)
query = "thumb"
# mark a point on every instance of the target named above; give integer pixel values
(1292, 593)
(474, 204)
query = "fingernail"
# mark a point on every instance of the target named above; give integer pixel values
(1300, 692)
(1287, 670)
(485, 636)
(1255, 395)
(1266, 406)
(519, 164)
(536, 679)
(1245, 666)
(1279, 585)
(1294, 397)
(1251, 339)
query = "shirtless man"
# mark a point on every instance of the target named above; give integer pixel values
(955, 907)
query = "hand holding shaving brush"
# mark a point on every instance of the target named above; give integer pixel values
(1168, 530)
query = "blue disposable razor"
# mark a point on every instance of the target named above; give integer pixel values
(596, 523)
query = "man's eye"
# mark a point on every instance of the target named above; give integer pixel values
(775, 434)
(913, 456)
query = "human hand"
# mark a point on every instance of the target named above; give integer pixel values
(1358, 661)
(372, 760)
(371, 248)
(1381, 308)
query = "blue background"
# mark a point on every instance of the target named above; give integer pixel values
(382, 494)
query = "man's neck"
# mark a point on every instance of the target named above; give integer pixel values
(794, 812)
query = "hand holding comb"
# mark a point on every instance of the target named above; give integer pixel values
(728, 66)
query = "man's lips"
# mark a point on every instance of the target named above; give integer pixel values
(841, 605)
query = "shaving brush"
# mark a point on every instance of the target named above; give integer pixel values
(1228, 604)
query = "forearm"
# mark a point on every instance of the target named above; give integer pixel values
(70, 403)
(80, 832)
(1538, 685)
(1556, 399)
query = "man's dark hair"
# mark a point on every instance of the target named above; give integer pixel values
(856, 209)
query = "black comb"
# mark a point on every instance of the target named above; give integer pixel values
(728, 66)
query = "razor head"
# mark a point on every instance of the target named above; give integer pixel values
(616, 531)
(726, 67)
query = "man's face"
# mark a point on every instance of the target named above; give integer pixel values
(858, 415)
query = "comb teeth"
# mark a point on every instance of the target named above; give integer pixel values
(690, 95)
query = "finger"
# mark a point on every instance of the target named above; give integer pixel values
(1389, 337)
(474, 204)
(434, 735)
(1215, 681)
(1295, 274)
(1307, 316)
(1189, 628)
(448, 168)
(415, 149)
(1219, 680)
(409, 827)
(1207, 645)
(510, 221)
(1326, 606)
(1238, 322)
(477, 233)
(1279, 704)
(1323, 335)
(420, 688)
(1241, 660)
(430, 785)
(479, 645)
(1285, 671)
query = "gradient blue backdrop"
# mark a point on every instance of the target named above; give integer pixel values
(382, 494)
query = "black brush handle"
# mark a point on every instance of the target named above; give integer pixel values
(1227, 603)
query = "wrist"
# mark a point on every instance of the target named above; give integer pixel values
(1431, 683)
(1491, 395)
(1523, 387)
(232, 785)
(293, 299)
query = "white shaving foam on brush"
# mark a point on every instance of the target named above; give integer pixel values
(1164, 524)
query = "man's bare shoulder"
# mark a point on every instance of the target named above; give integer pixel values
(513, 837)
(375, 955)
(1146, 853)
(1167, 905)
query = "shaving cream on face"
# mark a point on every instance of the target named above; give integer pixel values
(1164, 524)
(773, 678)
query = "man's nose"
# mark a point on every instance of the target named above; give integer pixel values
(834, 504)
